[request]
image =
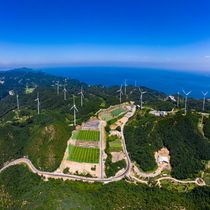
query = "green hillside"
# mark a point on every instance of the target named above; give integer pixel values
(145, 134)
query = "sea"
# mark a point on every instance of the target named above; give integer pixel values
(167, 81)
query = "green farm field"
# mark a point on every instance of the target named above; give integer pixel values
(87, 135)
(83, 154)
(106, 117)
(115, 146)
(117, 112)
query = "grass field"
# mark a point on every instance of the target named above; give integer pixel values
(117, 112)
(106, 117)
(83, 154)
(29, 90)
(115, 146)
(87, 135)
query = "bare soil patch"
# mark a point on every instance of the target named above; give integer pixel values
(83, 143)
(164, 152)
(80, 168)
(117, 156)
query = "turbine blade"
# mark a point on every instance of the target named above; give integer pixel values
(139, 89)
(184, 92)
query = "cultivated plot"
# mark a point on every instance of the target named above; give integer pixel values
(87, 135)
(117, 112)
(82, 143)
(83, 154)
(115, 146)
(107, 117)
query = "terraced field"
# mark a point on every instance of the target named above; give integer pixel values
(117, 112)
(106, 117)
(115, 146)
(83, 154)
(87, 135)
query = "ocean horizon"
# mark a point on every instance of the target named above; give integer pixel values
(167, 81)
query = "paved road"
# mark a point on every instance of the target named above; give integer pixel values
(60, 175)
(184, 182)
(101, 150)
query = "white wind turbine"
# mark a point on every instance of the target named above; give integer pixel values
(125, 86)
(64, 92)
(82, 96)
(177, 103)
(38, 103)
(121, 93)
(18, 106)
(57, 88)
(185, 106)
(75, 110)
(204, 94)
(141, 95)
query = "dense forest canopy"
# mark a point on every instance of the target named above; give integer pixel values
(22, 189)
(146, 134)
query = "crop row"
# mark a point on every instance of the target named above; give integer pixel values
(83, 154)
(88, 135)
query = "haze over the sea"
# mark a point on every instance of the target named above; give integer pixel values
(169, 82)
(170, 35)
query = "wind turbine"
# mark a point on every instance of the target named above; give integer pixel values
(64, 92)
(121, 93)
(82, 96)
(57, 88)
(186, 94)
(75, 109)
(204, 94)
(177, 103)
(125, 86)
(141, 95)
(38, 103)
(18, 106)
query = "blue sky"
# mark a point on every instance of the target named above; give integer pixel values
(146, 34)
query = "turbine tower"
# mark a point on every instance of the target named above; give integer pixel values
(82, 96)
(177, 103)
(141, 95)
(57, 88)
(18, 106)
(121, 93)
(64, 92)
(125, 86)
(75, 110)
(38, 103)
(185, 107)
(204, 94)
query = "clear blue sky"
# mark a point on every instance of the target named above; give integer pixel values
(173, 34)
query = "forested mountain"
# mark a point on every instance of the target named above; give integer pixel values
(43, 137)
(145, 134)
